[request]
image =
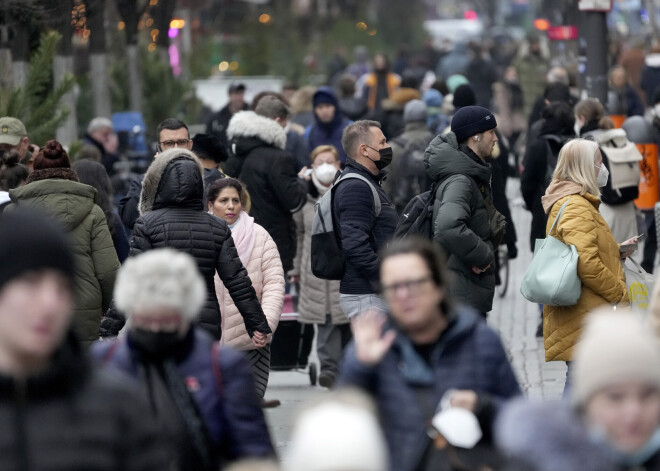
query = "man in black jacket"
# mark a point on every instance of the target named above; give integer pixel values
(57, 411)
(360, 229)
(171, 133)
(219, 122)
(259, 160)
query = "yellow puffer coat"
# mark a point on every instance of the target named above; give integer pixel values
(599, 269)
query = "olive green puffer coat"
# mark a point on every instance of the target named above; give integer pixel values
(72, 203)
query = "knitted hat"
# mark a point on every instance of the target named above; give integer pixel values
(614, 348)
(464, 96)
(208, 146)
(433, 97)
(472, 120)
(30, 241)
(415, 111)
(52, 155)
(455, 81)
(157, 279)
(324, 95)
(336, 436)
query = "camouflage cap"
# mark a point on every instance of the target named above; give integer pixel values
(11, 130)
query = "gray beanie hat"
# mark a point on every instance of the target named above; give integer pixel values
(615, 347)
(414, 111)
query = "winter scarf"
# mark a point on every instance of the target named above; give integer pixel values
(48, 173)
(556, 191)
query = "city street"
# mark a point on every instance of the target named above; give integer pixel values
(513, 317)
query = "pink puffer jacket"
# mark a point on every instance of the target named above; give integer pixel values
(267, 275)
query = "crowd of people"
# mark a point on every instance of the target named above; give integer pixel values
(136, 327)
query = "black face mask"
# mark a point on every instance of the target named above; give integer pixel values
(155, 343)
(385, 157)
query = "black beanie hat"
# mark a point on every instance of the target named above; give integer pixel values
(29, 242)
(207, 146)
(464, 96)
(472, 120)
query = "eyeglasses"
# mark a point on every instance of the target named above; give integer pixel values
(411, 286)
(177, 143)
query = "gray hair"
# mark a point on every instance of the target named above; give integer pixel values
(357, 133)
(99, 123)
(558, 75)
(272, 107)
(157, 279)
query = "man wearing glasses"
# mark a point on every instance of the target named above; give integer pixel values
(171, 133)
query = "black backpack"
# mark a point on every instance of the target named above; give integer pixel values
(411, 179)
(417, 217)
(551, 158)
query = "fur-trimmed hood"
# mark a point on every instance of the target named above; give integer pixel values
(175, 178)
(248, 124)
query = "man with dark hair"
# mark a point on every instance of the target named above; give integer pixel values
(211, 153)
(465, 222)
(219, 122)
(257, 142)
(171, 133)
(360, 227)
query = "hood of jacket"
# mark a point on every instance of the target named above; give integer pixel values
(249, 126)
(443, 158)
(549, 436)
(338, 118)
(70, 202)
(174, 179)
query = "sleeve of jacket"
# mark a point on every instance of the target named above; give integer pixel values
(577, 227)
(140, 240)
(534, 169)
(450, 227)
(104, 257)
(354, 210)
(235, 278)
(128, 205)
(354, 373)
(246, 424)
(291, 191)
(299, 220)
(272, 295)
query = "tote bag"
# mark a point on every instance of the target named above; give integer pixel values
(552, 277)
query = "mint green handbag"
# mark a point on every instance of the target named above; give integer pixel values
(552, 277)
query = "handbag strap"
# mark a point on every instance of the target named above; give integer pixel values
(561, 210)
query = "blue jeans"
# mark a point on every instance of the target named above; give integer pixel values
(355, 304)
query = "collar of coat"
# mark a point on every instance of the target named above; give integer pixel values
(48, 173)
(250, 124)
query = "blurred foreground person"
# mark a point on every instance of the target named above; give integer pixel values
(58, 414)
(202, 395)
(430, 351)
(612, 422)
(338, 433)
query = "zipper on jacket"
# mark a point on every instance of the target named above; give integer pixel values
(20, 398)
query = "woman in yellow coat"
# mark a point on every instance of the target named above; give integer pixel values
(577, 178)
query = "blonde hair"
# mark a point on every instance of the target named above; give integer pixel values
(576, 164)
(324, 148)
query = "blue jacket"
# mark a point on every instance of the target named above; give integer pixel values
(361, 233)
(227, 401)
(468, 355)
(328, 133)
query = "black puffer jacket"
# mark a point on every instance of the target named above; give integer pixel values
(71, 417)
(171, 208)
(269, 173)
(460, 219)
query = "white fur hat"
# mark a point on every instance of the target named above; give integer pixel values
(337, 436)
(160, 278)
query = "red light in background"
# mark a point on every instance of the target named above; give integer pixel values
(470, 15)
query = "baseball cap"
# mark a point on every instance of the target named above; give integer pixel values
(11, 130)
(236, 87)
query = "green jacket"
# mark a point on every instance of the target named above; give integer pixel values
(72, 203)
(460, 220)
(531, 75)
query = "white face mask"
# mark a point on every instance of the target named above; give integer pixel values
(603, 174)
(325, 173)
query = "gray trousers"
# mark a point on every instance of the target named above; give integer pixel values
(331, 339)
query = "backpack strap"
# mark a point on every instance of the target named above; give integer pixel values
(377, 204)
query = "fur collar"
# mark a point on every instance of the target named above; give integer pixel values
(250, 124)
(48, 173)
(155, 173)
